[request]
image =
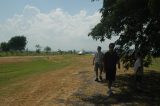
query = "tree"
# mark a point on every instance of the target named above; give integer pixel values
(47, 49)
(60, 51)
(4, 46)
(38, 48)
(137, 24)
(17, 43)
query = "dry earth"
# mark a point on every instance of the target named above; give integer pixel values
(70, 86)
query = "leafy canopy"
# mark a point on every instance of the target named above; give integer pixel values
(47, 49)
(136, 22)
(17, 43)
(4, 46)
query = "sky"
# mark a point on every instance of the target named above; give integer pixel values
(59, 24)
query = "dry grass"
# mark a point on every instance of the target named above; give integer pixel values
(74, 85)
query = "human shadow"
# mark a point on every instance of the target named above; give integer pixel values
(128, 94)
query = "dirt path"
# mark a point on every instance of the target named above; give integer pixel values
(70, 86)
(75, 86)
(47, 89)
(44, 90)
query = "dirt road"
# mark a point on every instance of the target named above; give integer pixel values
(71, 86)
(61, 87)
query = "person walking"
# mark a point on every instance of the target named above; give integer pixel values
(98, 63)
(138, 69)
(110, 60)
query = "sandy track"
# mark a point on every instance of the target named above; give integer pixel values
(45, 90)
(70, 86)
(48, 89)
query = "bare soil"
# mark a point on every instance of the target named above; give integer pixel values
(72, 86)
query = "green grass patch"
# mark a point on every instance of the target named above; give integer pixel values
(155, 64)
(12, 72)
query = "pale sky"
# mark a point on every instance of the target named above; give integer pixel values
(60, 24)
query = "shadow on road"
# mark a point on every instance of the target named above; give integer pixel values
(128, 94)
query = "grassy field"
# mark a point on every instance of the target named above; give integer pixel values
(14, 71)
(27, 80)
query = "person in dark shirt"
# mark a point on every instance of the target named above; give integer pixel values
(110, 60)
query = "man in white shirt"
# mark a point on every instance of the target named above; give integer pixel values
(98, 63)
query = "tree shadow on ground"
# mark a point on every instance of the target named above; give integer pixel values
(128, 94)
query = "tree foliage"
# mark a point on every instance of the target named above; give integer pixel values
(4, 46)
(136, 22)
(47, 49)
(38, 48)
(17, 43)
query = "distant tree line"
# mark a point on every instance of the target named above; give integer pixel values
(16, 43)
(17, 46)
(47, 49)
